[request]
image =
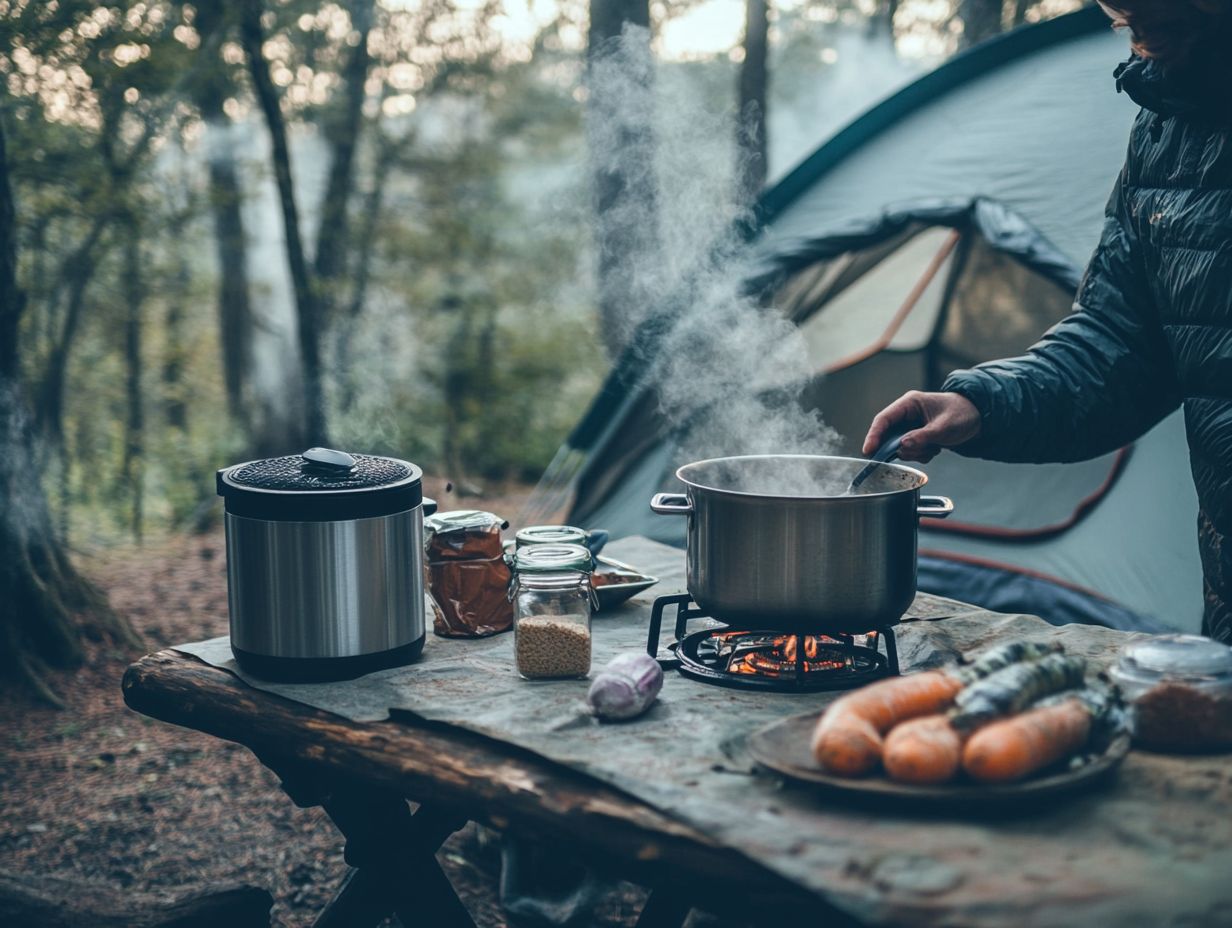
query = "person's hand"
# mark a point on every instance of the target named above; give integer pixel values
(942, 420)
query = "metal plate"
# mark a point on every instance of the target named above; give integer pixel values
(612, 595)
(783, 747)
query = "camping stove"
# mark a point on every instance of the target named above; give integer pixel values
(789, 662)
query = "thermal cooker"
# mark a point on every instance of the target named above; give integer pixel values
(325, 572)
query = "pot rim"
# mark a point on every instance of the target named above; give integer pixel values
(918, 474)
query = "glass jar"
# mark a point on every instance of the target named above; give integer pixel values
(552, 604)
(1180, 688)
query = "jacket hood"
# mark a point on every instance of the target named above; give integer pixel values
(1192, 94)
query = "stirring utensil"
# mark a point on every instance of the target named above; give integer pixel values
(883, 455)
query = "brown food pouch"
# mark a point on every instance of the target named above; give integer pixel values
(473, 597)
(467, 574)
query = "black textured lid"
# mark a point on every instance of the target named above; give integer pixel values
(320, 485)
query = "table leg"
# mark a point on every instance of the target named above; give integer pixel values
(360, 900)
(391, 851)
(399, 848)
(663, 909)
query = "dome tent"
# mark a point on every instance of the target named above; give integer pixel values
(947, 226)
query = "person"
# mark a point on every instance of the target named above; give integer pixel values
(1152, 322)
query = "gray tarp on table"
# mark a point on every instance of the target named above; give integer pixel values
(1154, 849)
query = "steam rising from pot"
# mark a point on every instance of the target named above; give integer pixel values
(729, 373)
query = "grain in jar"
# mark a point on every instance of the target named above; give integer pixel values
(1180, 688)
(553, 601)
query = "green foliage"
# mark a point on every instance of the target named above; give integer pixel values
(471, 348)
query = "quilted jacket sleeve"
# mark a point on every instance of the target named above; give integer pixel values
(1096, 381)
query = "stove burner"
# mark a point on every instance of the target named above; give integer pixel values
(796, 662)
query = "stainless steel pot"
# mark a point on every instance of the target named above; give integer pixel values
(774, 544)
(324, 564)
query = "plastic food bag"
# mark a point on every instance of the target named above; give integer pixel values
(467, 574)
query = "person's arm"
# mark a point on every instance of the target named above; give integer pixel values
(1096, 381)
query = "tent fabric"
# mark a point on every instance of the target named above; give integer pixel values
(1010, 590)
(947, 227)
(1044, 135)
(1011, 502)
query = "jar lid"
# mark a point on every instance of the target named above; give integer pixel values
(320, 485)
(551, 535)
(543, 559)
(1176, 657)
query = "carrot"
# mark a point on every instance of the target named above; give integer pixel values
(924, 750)
(847, 740)
(1015, 747)
(849, 748)
(886, 703)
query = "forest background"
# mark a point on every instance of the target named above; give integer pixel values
(236, 229)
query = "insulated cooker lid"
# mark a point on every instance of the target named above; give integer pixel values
(320, 485)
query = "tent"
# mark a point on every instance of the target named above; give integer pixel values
(946, 226)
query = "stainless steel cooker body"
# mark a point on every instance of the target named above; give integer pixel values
(325, 589)
(325, 564)
(786, 559)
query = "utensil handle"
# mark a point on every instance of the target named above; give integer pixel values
(671, 504)
(883, 455)
(934, 507)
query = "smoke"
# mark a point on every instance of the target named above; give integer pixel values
(729, 373)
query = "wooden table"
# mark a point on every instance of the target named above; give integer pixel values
(363, 773)
(1154, 848)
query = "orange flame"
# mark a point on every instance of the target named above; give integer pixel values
(777, 656)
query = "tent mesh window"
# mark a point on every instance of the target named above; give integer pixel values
(998, 309)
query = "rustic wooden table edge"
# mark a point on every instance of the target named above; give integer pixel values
(482, 779)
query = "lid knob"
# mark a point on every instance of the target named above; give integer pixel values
(327, 462)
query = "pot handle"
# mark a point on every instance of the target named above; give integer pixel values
(934, 507)
(671, 504)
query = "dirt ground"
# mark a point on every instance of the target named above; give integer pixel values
(98, 793)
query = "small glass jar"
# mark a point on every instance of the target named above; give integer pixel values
(552, 604)
(1180, 688)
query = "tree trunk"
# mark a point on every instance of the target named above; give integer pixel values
(78, 269)
(620, 132)
(981, 20)
(882, 21)
(307, 314)
(49, 401)
(456, 381)
(38, 585)
(751, 139)
(365, 249)
(134, 424)
(175, 408)
(342, 129)
(235, 315)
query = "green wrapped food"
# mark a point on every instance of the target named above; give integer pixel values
(998, 658)
(1014, 688)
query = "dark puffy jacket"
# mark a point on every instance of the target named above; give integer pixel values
(1152, 326)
